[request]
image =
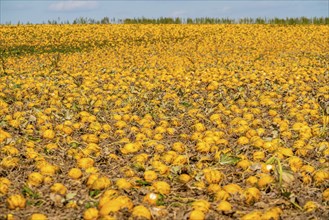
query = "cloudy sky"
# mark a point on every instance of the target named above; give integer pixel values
(39, 11)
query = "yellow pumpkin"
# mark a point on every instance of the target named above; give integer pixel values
(38, 216)
(90, 214)
(16, 201)
(141, 211)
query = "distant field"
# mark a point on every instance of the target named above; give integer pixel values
(164, 122)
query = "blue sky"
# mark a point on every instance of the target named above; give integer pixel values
(39, 11)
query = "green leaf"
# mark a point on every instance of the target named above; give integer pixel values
(228, 159)
(186, 104)
(17, 86)
(160, 201)
(271, 160)
(138, 167)
(286, 194)
(91, 205)
(33, 138)
(94, 193)
(70, 196)
(143, 183)
(29, 192)
(74, 144)
(175, 169)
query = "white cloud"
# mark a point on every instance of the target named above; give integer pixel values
(73, 5)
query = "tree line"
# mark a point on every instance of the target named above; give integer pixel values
(202, 20)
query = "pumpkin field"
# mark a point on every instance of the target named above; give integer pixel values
(123, 121)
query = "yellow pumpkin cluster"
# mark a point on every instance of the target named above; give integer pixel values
(164, 121)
